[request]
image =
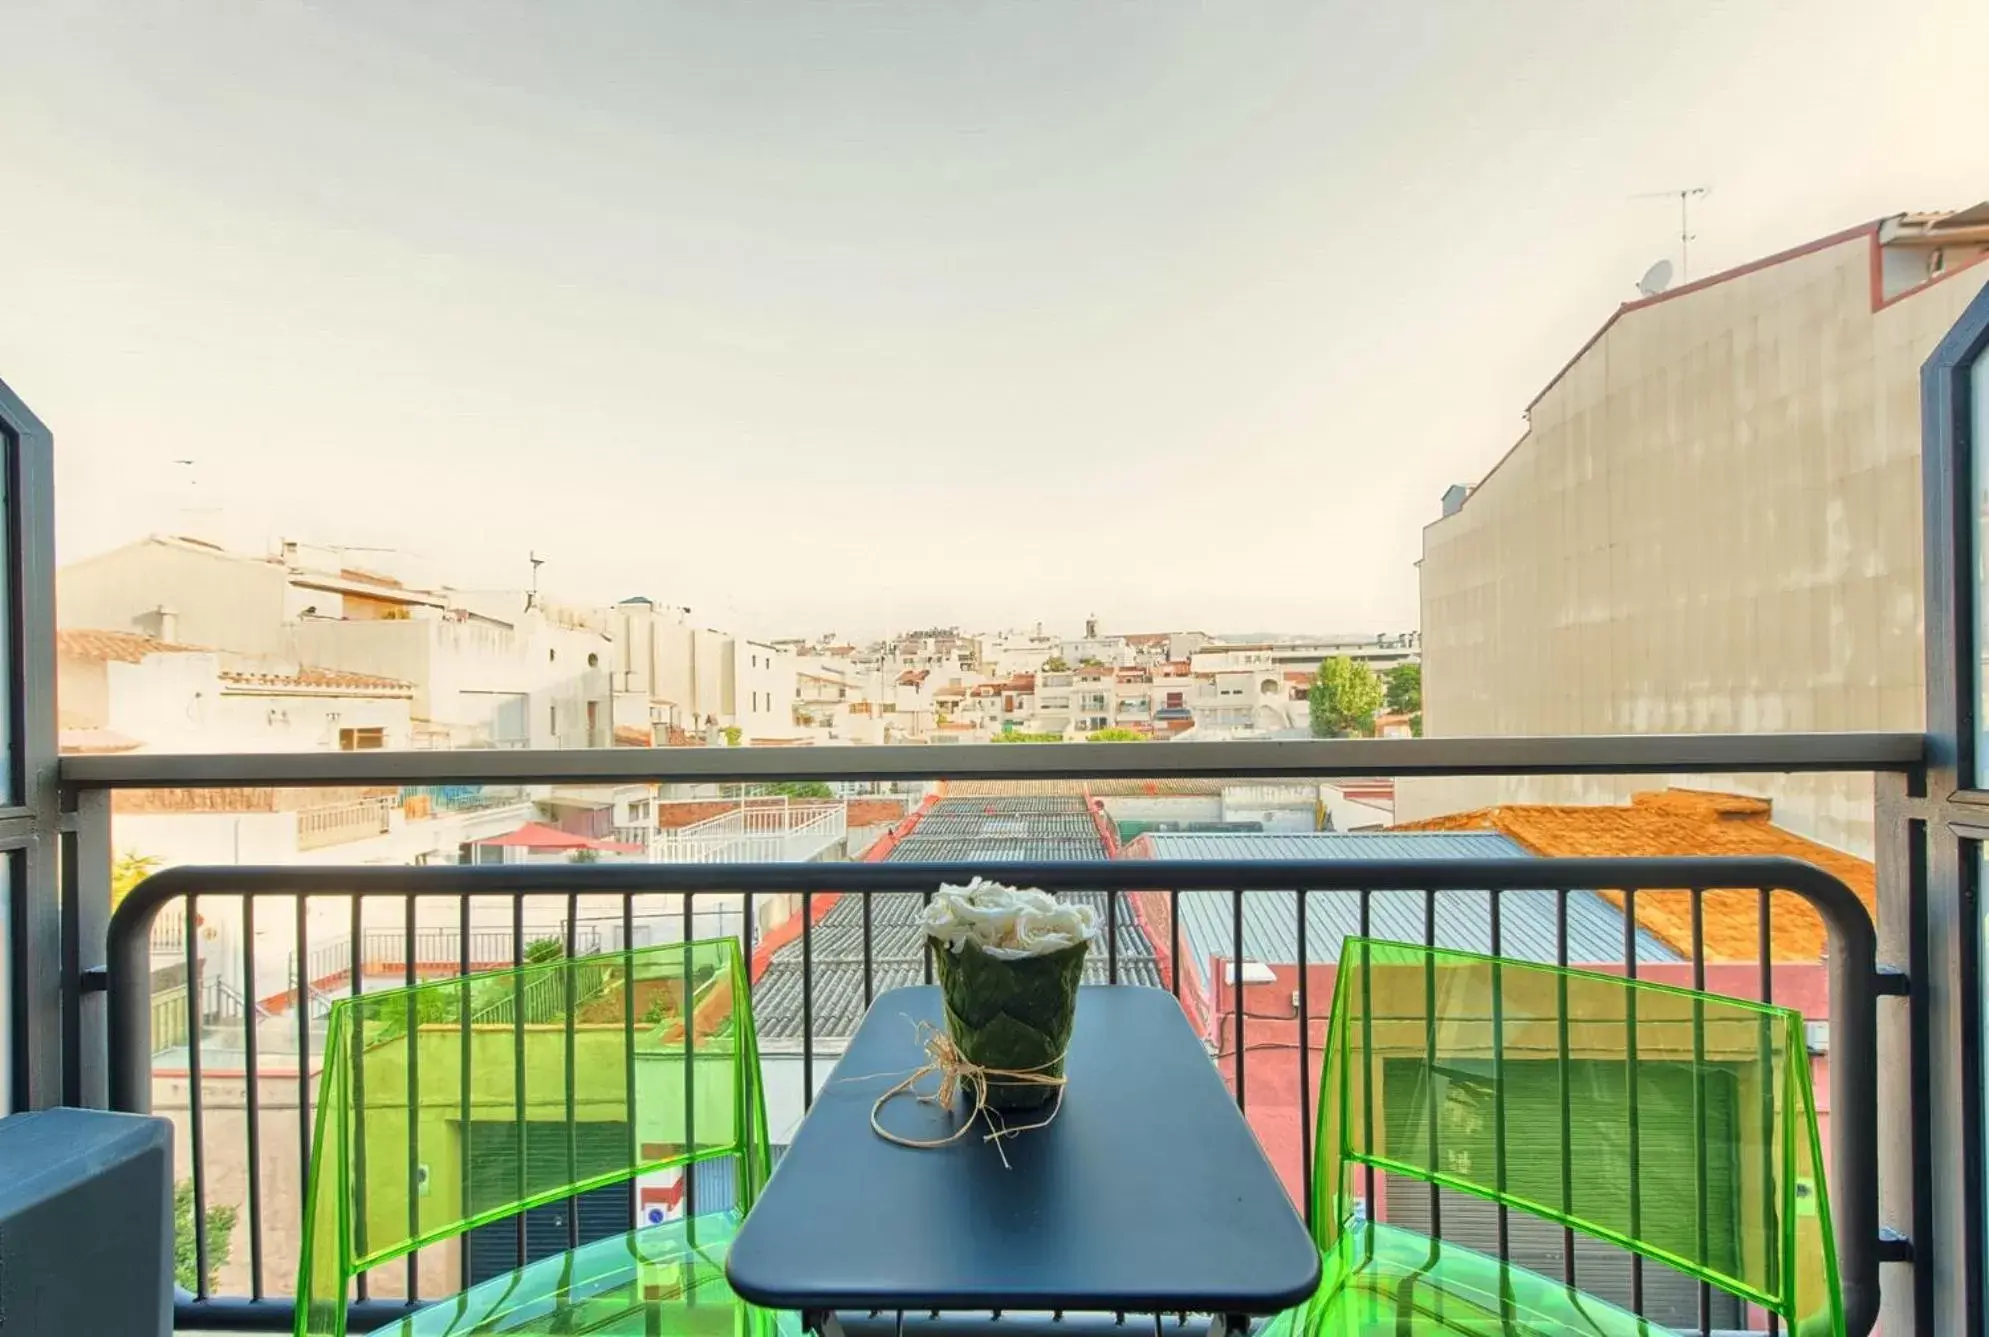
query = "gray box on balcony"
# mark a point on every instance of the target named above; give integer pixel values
(86, 1224)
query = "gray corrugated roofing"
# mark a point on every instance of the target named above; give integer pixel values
(1463, 918)
(897, 942)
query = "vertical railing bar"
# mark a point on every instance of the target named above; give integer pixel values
(463, 1160)
(1236, 985)
(1111, 936)
(1367, 1047)
(927, 955)
(196, 1130)
(1765, 947)
(1630, 1077)
(690, 1061)
(253, 1093)
(1702, 1232)
(808, 998)
(1304, 1066)
(409, 978)
(572, 1129)
(355, 962)
(1174, 940)
(303, 1005)
(628, 1049)
(1499, 1106)
(1429, 1066)
(518, 1064)
(1567, 1094)
(869, 965)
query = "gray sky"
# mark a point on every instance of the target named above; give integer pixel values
(822, 315)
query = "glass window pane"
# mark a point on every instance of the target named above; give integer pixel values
(1978, 390)
(10, 764)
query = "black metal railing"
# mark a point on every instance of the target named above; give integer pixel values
(1168, 924)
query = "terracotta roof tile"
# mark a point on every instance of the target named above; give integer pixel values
(1683, 822)
(123, 647)
(317, 679)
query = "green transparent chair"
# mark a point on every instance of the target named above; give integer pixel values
(1678, 1125)
(454, 1105)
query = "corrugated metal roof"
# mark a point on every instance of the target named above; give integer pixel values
(1527, 919)
(1019, 829)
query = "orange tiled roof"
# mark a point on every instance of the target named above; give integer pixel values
(317, 680)
(1682, 822)
(123, 647)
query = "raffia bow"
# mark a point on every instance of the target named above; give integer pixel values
(957, 1072)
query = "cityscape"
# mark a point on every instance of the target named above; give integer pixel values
(908, 671)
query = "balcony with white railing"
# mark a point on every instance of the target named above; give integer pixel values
(752, 833)
(344, 823)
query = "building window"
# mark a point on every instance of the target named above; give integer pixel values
(361, 740)
(593, 661)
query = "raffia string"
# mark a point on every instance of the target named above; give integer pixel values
(956, 1072)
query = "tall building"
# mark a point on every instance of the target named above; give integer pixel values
(1711, 524)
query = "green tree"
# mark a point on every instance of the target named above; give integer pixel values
(796, 788)
(1018, 736)
(541, 950)
(733, 733)
(1344, 699)
(220, 1229)
(1055, 664)
(1405, 689)
(128, 871)
(1115, 736)
(584, 856)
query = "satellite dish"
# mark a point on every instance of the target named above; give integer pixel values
(1656, 279)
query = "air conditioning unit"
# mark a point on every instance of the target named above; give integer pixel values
(86, 1224)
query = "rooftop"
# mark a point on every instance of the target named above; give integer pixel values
(120, 647)
(1019, 829)
(1527, 919)
(1683, 822)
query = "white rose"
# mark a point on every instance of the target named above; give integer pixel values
(1007, 922)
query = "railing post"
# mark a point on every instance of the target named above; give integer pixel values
(86, 893)
(1901, 865)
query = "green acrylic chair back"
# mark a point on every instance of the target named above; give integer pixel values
(454, 1104)
(1675, 1124)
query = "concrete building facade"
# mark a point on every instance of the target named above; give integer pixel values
(1712, 524)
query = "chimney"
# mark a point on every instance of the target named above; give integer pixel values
(161, 624)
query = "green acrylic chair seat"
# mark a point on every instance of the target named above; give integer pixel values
(1385, 1282)
(660, 1279)
(1679, 1126)
(452, 1107)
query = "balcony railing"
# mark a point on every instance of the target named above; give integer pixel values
(779, 833)
(342, 823)
(833, 964)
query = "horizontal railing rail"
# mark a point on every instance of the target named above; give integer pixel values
(1634, 754)
(1853, 977)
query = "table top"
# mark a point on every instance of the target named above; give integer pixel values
(1147, 1194)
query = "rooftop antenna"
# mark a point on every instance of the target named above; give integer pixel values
(1684, 195)
(1656, 279)
(532, 595)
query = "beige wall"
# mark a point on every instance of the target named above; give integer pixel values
(1712, 524)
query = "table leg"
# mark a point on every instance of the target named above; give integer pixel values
(822, 1322)
(1229, 1325)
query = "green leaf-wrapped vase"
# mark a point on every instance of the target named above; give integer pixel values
(1015, 1015)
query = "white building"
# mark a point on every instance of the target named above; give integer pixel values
(495, 669)
(1379, 653)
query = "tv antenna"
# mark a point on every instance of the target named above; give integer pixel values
(1684, 195)
(532, 595)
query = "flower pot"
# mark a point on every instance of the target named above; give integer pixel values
(1012, 1015)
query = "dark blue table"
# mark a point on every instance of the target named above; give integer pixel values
(1147, 1195)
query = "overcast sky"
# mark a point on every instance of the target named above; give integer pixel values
(848, 316)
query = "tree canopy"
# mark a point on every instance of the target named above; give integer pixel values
(1344, 699)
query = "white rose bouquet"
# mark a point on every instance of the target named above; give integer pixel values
(1008, 961)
